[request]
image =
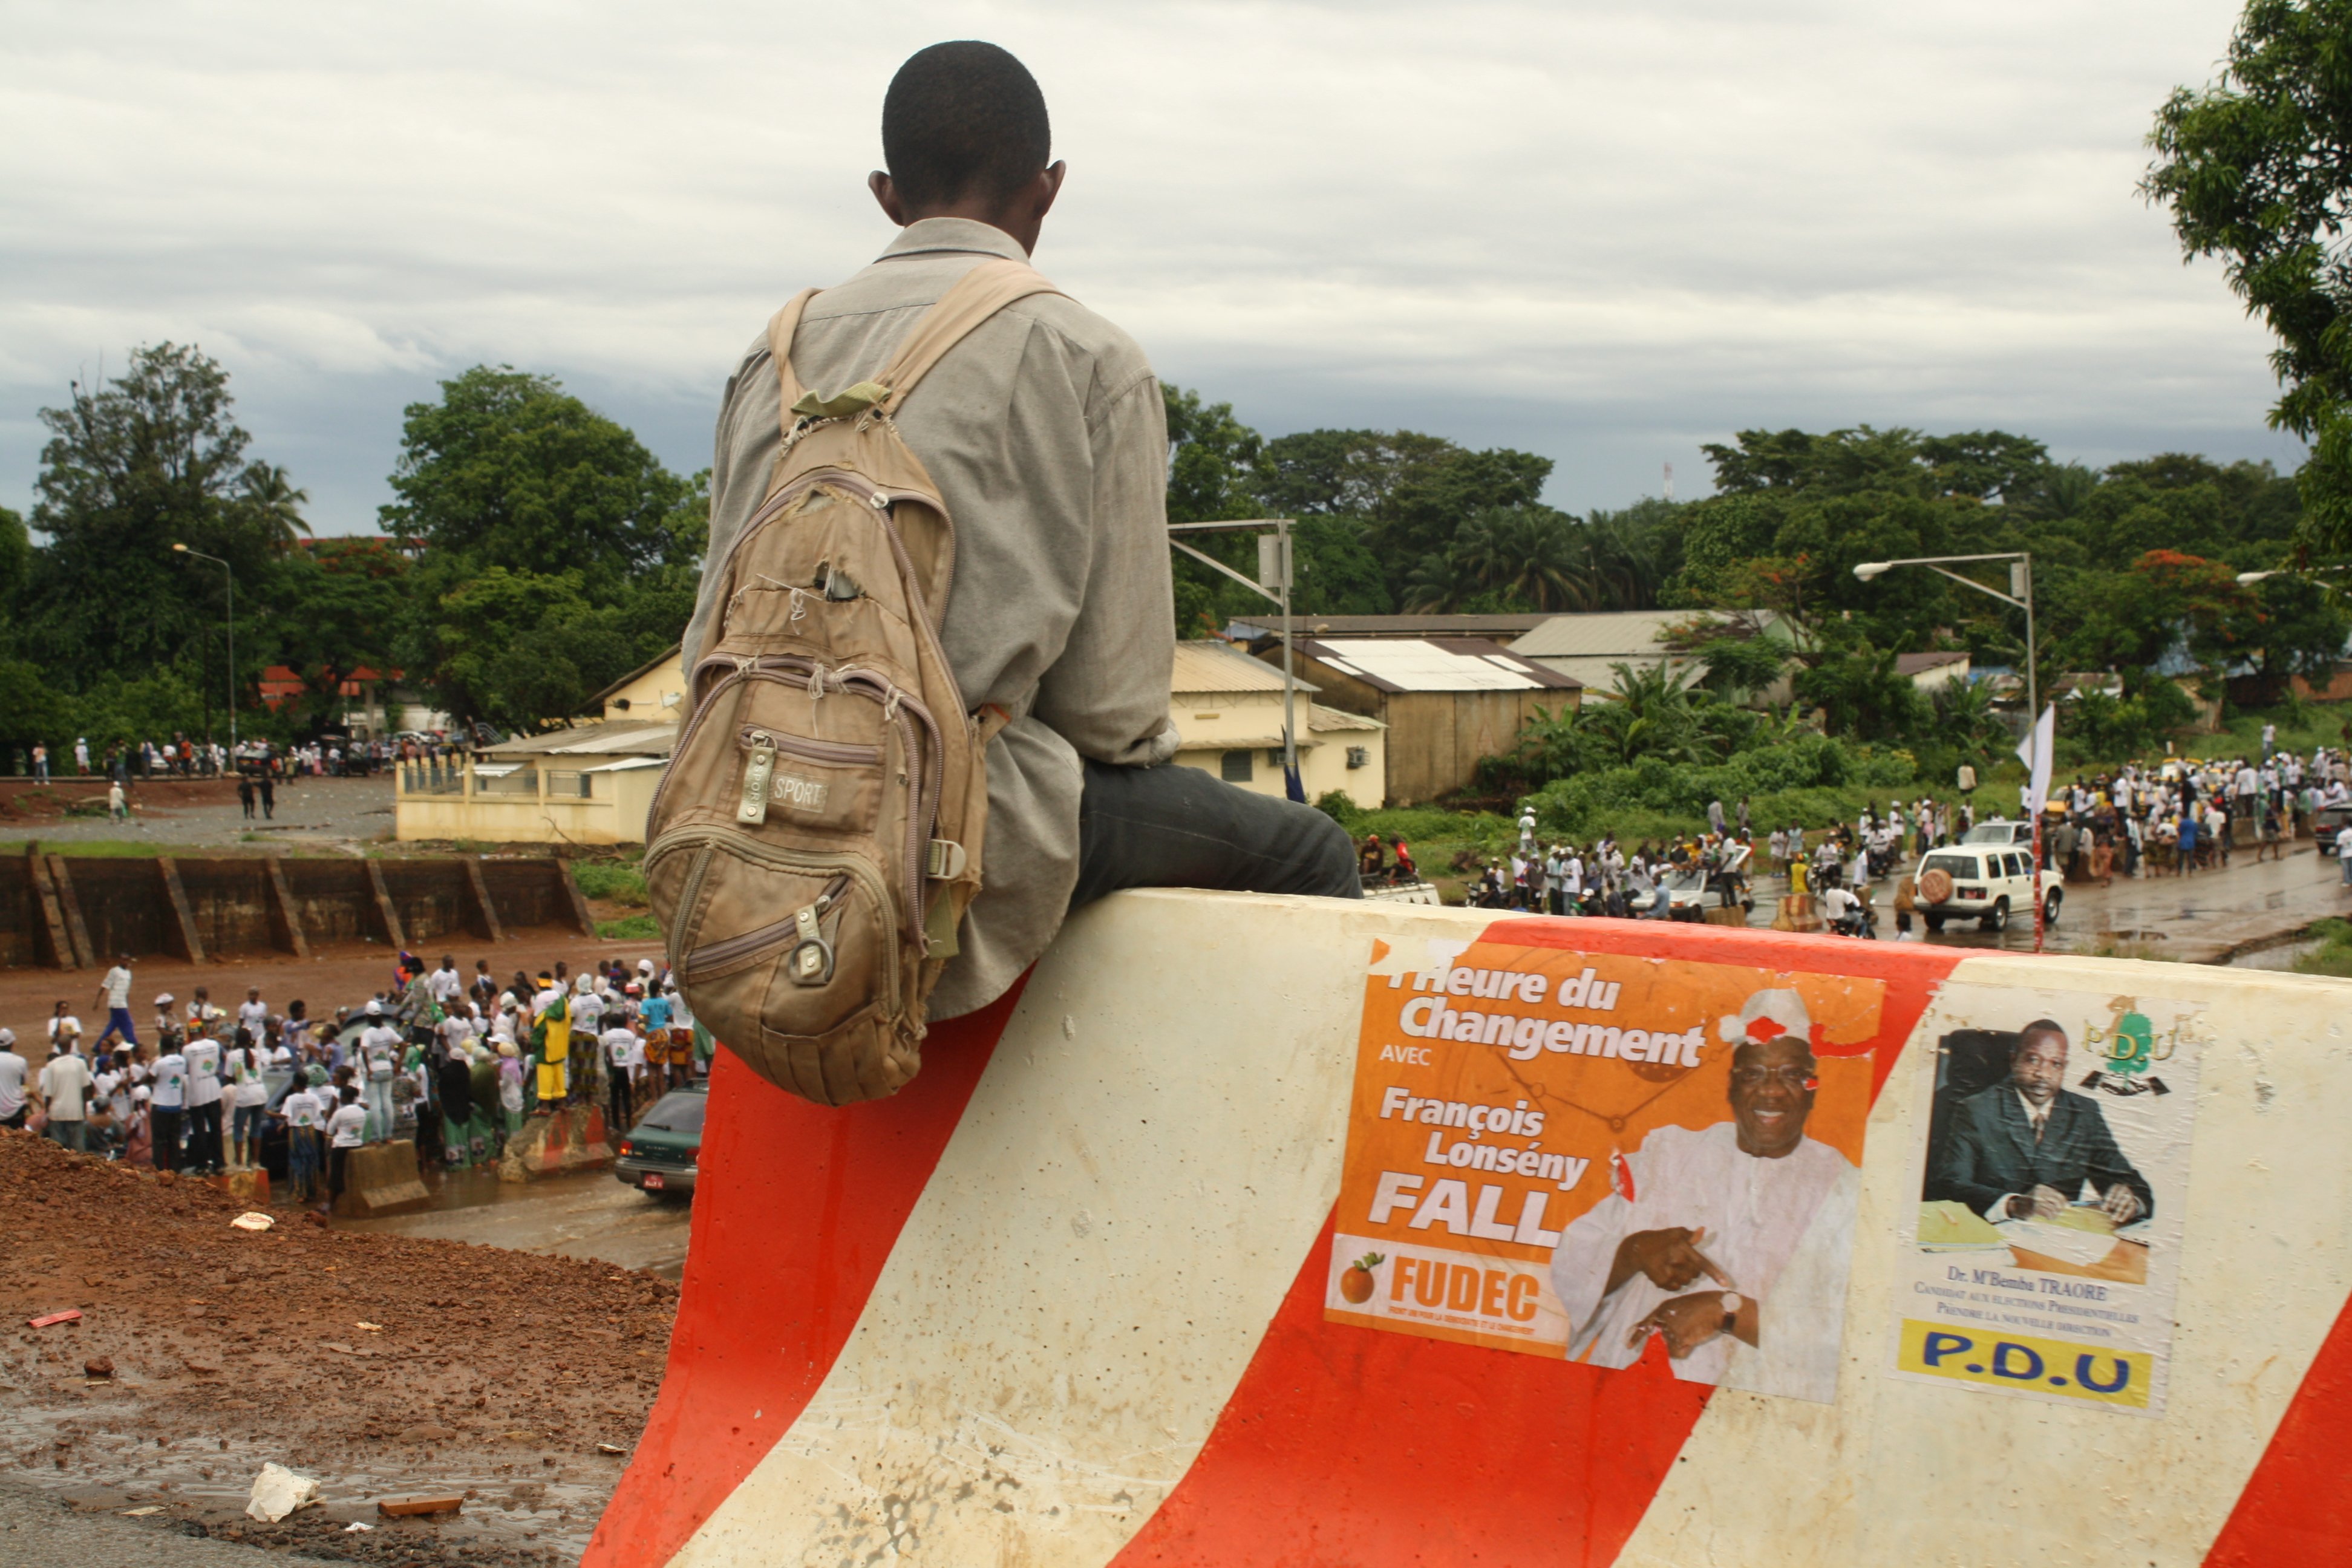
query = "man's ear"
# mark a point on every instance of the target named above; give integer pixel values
(886, 195)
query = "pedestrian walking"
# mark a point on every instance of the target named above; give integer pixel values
(114, 995)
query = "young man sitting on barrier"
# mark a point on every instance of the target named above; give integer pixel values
(1730, 1243)
(2024, 1149)
(1045, 433)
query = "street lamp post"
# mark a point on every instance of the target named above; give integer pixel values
(1272, 564)
(231, 573)
(2020, 597)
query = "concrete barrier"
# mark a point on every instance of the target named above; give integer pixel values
(248, 1186)
(1073, 1298)
(381, 1178)
(571, 1140)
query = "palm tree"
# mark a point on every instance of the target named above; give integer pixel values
(270, 492)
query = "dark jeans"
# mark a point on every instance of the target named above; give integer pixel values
(163, 1137)
(204, 1136)
(1173, 826)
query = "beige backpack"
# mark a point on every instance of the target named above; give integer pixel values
(817, 837)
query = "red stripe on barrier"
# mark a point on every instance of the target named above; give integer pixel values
(2295, 1506)
(786, 1250)
(1344, 1444)
(1350, 1444)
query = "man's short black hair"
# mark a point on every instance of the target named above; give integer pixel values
(961, 120)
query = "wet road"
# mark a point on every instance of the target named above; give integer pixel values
(590, 1216)
(2213, 917)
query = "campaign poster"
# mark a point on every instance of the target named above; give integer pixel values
(2044, 1250)
(1578, 1154)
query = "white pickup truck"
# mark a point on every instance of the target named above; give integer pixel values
(1988, 879)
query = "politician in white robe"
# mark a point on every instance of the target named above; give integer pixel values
(1731, 1241)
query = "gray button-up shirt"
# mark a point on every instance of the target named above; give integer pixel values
(1044, 433)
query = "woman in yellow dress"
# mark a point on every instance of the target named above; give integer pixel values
(551, 1038)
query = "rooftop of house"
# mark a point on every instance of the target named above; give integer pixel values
(1434, 664)
(1209, 666)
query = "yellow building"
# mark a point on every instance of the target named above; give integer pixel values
(1228, 707)
(593, 782)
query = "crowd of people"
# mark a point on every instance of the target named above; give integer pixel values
(457, 1064)
(182, 758)
(2169, 818)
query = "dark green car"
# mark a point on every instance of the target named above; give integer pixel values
(660, 1152)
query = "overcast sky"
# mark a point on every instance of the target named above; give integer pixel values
(1604, 232)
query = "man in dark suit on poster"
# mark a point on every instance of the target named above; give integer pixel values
(2024, 1147)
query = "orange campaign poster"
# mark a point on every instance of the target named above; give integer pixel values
(1573, 1154)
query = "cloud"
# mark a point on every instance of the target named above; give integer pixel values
(1608, 233)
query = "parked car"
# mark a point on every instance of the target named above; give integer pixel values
(1984, 881)
(660, 1152)
(1998, 830)
(2327, 823)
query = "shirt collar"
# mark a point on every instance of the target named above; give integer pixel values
(934, 235)
(2031, 1114)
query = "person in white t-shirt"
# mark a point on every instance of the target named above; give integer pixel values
(445, 982)
(64, 1091)
(304, 1117)
(13, 1069)
(380, 1053)
(622, 1052)
(114, 995)
(346, 1130)
(167, 1113)
(253, 1013)
(64, 1027)
(204, 1058)
(248, 1095)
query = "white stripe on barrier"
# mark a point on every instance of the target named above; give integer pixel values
(1039, 1334)
(1902, 1472)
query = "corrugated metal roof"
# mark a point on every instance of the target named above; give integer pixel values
(1434, 664)
(1920, 663)
(1612, 634)
(1207, 666)
(1320, 718)
(1599, 674)
(1393, 625)
(614, 737)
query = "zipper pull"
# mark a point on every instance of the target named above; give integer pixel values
(759, 770)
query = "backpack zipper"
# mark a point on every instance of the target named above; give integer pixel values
(855, 868)
(717, 953)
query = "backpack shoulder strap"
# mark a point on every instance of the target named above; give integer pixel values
(781, 328)
(971, 300)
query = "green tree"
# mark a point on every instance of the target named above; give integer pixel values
(558, 552)
(151, 459)
(271, 493)
(2257, 168)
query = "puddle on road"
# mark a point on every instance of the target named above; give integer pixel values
(590, 1214)
(517, 1504)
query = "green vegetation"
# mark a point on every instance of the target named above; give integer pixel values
(630, 928)
(556, 555)
(2253, 168)
(2333, 953)
(611, 881)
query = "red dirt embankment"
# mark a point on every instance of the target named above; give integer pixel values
(485, 1371)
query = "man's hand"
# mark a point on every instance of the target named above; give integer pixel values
(2122, 1204)
(2044, 1202)
(1669, 1259)
(1685, 1323)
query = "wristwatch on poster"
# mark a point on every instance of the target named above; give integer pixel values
(1732, 1301)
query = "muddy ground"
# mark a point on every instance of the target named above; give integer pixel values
(385, 1367)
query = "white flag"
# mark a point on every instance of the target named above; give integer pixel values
(2035, 751)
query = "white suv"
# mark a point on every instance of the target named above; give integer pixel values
(1986, 883)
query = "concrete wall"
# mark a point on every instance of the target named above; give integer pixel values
(96, 906)
(549, 809)
(1066, 1303)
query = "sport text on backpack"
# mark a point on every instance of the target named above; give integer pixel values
(818, 835)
